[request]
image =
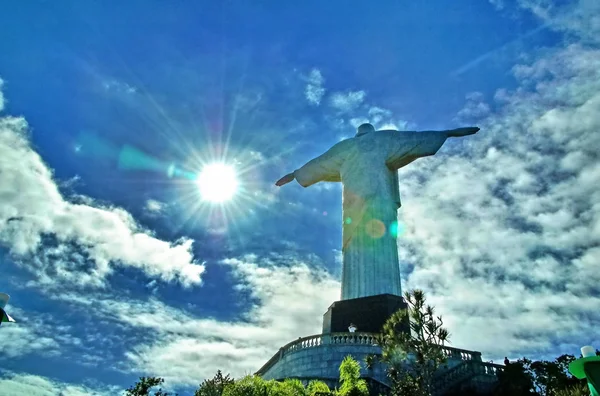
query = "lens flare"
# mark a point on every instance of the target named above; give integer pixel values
(375, 228)
(397, 229)
(217, 182)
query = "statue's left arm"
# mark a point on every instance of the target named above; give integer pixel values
(405, 147)
(325, 167)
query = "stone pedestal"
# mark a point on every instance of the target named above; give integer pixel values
(318, 357)
(368, 314)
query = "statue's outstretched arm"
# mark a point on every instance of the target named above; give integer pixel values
(403, 147)
(285, 179)
(459, 132)
(325, 167)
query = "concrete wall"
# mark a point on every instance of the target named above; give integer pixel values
(324, 361)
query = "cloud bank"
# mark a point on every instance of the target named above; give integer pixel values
(504, 236)
(288, 302)
(79, 243)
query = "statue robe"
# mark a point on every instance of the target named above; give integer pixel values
(367, 166)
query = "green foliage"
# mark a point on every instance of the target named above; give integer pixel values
(515, 380)
(580, 389)
(142, 387)
(214, 386)
(317, 388)
(351, 383)
(370, 361)
(289, 387)
(408, 376)
(542, 378)
(256, 386)
(405, 383)
(248, 386)
(414, 356)
(548, 377)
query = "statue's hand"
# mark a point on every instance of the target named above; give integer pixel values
(463, 131)
(285, 179)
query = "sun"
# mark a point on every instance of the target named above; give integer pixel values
(217, 182)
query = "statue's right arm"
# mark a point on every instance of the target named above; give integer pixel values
(403, 147)
(406, 146)
(459, 132)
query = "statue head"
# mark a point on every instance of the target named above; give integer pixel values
(364, 128)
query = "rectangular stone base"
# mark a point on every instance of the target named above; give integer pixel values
(368, 314)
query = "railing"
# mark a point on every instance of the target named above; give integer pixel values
(318, 340)
(460, 354)
(490, 368)
(465, 371)
(332, 338)
(353, 339)
(453, 377)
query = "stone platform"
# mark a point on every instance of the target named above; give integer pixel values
(319, 357)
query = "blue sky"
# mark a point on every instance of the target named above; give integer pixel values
(118, 269)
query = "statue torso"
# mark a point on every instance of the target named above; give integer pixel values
(364, 173)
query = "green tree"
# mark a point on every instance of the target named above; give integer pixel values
(351, 383)
(214, 386)
(539, 377)
(317, 388)
(142, 387)
(289, 387)
(250, 385)
(413, 356)
(579, 389)
(549, 377)
(516, 380)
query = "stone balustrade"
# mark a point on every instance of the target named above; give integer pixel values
(461, 354)
(357, 338)
(490, 368)
(449, 378)
(353, 338)
(333, 338)
(466, 370)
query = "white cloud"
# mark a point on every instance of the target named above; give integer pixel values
(347, 101)
(19, 384)
(39, 333)
(475, 108)
(89, 239)
(378, 114)
(118, 87)
(579, 17)
(288, 303)
(357, 121)
(314, 88)
(154, 207)
(380, 118)
(28, 335)
(499, 4)
(504, 238)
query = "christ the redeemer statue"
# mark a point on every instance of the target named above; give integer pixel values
(367, 165)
